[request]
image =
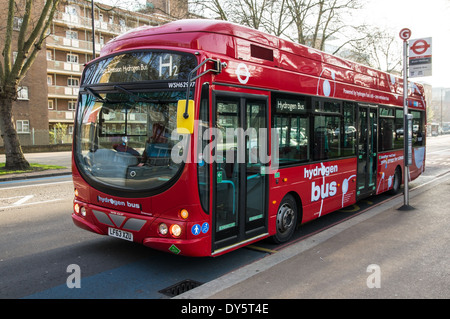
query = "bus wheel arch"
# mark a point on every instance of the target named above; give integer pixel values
(288, 215)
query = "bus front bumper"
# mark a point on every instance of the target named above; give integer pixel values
(197, 247)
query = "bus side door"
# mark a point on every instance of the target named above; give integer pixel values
(367, 150)
(239, 182)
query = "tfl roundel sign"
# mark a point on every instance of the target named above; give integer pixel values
(420, 46)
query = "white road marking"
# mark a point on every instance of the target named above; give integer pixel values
(23, 200)
(35, 203)
(34, 185)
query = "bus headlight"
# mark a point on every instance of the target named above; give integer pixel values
(163, 229)
(175, 230)
(76, 207)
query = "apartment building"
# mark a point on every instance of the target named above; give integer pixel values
(70, 45)
(29, 110)
(45, 109)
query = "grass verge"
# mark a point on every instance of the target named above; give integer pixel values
(33, 168)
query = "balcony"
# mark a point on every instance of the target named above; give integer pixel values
(61, 67)
(81, 22)
(63, 43)
(64, 92)
(61, 116)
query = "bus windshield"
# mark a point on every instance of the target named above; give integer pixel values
(124, 132)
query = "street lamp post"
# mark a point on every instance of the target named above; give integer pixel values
(93, 29)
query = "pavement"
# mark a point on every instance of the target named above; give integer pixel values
(386, 252)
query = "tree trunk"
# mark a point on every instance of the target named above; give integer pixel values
(15, 160)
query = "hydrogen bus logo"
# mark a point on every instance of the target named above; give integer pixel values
(320, 192)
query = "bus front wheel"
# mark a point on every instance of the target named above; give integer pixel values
(286, 220)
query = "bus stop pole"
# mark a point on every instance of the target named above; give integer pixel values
(405, 112)
(406, 129)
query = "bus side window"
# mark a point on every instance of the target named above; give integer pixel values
(348, 147)
(418, 128)
(291, 120)
(293, 134)
(398, 140)
(327, 137)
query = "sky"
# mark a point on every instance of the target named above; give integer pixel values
(425, 18)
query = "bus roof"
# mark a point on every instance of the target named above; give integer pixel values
(232, 40)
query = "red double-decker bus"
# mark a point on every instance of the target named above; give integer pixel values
(199, 137)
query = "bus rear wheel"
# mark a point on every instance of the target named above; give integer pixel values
(286, 220)
(396, 182)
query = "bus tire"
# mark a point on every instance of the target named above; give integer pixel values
(286, 220)
(397, 182)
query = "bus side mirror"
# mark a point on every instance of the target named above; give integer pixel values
(185, 117)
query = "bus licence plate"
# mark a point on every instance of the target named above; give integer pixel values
(113, 232)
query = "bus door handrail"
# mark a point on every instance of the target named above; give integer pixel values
(218, 69)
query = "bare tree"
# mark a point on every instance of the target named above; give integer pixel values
(278, 21)
(251, 13)
(379, 49)
(309, 22)
(216, 9)
(32, 22)
(317, 21)
(300, 11)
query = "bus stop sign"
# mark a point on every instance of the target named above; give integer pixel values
(420, 57)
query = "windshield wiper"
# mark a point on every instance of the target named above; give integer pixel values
(137, 97)
(96, 95)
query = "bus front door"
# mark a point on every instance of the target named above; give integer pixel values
(239, 182)
(367, 151)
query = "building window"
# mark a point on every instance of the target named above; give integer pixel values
(49, 80)
(73, 82)
(23, 126)
(49, 55)
(71, 10)
(17, 23)
(22, 93)
(72, 105)
(50, 105)
(72, 58)
(71, 35)
(70, 129)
